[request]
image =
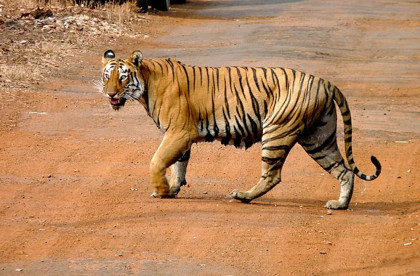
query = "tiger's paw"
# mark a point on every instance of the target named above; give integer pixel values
(156, 195)
(173, 191)
(240, 196)
(336, 205)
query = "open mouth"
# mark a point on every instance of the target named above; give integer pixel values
(117, 102)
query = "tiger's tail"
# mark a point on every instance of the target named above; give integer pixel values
(345, 113)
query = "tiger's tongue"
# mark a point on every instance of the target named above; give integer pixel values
(115, 101)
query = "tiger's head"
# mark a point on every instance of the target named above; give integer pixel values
(121, 79)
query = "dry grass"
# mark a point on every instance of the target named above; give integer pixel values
(31, 4)
(19, 74)
(23, 64)
(118, 13)
(115, 11)
(37, 60)
(113, 6)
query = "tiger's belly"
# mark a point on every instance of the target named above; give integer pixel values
(239, 134)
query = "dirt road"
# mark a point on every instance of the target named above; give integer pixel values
(74, 183)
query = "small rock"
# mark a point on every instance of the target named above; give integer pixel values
(23, 42)
(329, 212)
(19, 269)
(408, 243)
(41, 13)
(322, 252)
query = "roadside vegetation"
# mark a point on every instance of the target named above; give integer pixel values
(37, 37)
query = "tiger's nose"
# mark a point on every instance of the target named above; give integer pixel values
(112, 95)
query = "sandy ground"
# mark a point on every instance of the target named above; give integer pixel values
(74, 182)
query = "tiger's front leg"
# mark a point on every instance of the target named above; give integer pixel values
(174, 145)
(178, 172)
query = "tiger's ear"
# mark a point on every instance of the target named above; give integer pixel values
(136, 58)
(107, 56)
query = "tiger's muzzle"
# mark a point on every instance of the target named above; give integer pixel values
(117, 103)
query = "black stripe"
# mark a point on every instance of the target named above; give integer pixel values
(238, 138)
(272, 160)
(185, 157)
(347, 139)
(240, 82)
(294, 79)
(215, 127)
(347, 122)
(208, 78)
(207, 122)
(226, 100)
(266, 90)
(240, 127)
(320, 157)
(226, 139)
(345, 113)
(193, 68)
(209, 137)
(295, 107)
(286, 78)
(201, 121)
(265, 72)
(265, 108)
(201, 76)
(276, 80)
(349, 151)
(247, 132)
(255, 104)
(328, 169)
(254, 71)
(217, 78)
(173, 68)
(275, 148)
(254, 126)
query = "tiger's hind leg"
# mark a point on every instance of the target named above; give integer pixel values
(275, 148)
(178, 171)
(321, 145)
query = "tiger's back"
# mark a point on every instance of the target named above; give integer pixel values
(234, 104)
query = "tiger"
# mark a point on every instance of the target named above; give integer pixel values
(239, 106)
